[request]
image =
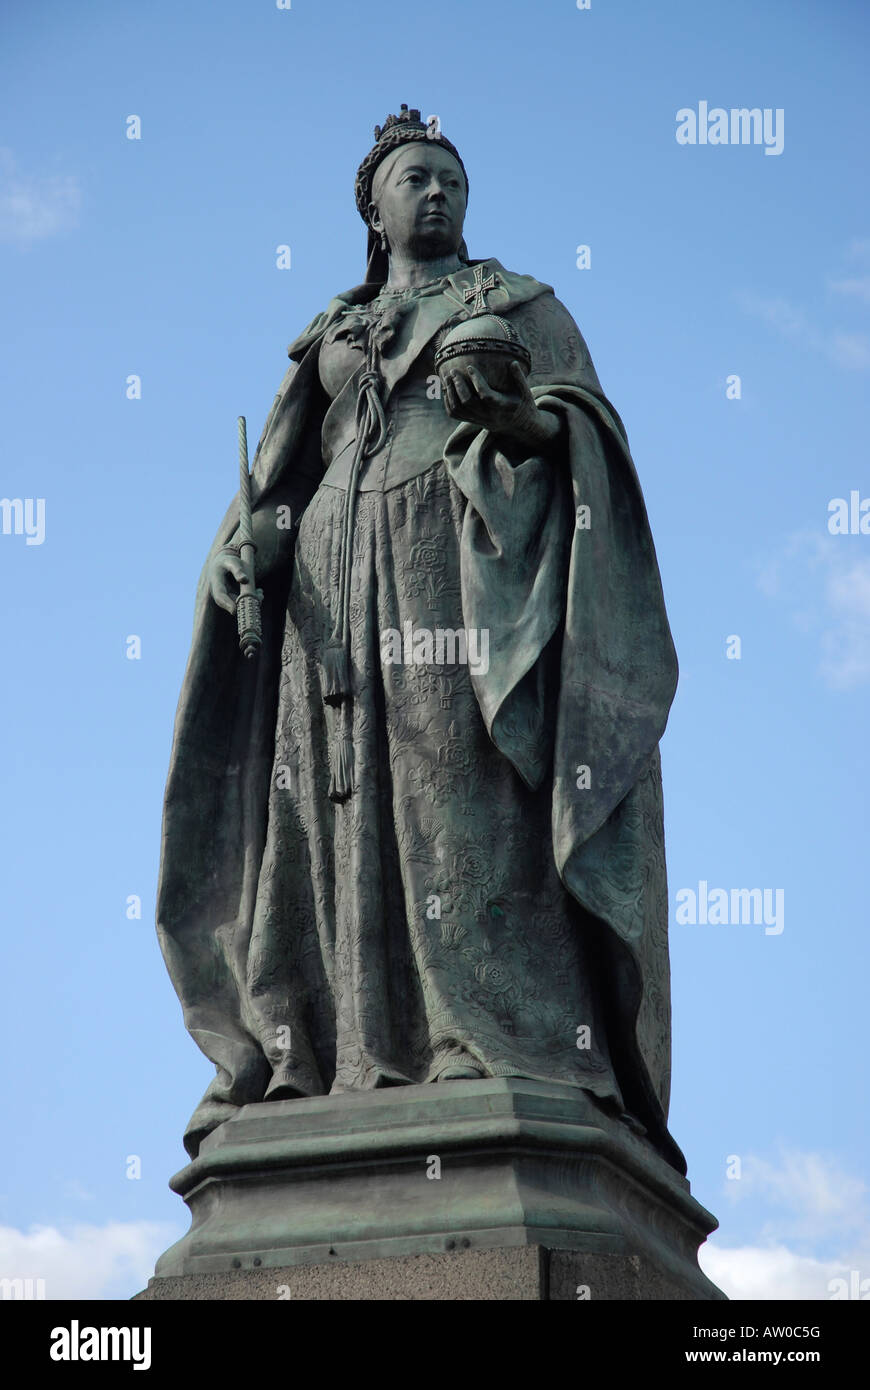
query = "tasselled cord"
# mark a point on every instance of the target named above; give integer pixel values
(371, 430)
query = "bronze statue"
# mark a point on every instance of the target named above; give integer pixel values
(419, 837)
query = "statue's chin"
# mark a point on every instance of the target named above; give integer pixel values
(433, 246)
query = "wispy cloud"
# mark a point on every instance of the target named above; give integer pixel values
(858, 287)
(827, 587)
(111, 1261)
(790, 321)
(774, 1272)
(782, 315)
(808, 1196)
(814, 1229)
(846, 645)
(34, 207)
(844, 348)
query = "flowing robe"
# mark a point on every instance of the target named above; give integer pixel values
(478, 894)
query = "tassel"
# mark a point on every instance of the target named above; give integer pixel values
(341, 781)
(336, 673)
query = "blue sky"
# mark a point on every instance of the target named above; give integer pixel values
(157, 257)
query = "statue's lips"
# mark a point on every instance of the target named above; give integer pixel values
(434, 216)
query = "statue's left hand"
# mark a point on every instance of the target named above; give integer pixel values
(515, 414)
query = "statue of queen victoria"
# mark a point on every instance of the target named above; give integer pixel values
(419, 838)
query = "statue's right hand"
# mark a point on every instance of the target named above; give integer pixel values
(226, 574)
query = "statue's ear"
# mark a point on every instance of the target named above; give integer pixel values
(374, 217)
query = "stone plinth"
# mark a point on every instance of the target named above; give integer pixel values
(498, 1188)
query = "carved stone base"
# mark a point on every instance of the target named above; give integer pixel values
(377, 1194)
(528, 1273)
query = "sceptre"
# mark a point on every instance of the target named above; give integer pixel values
(248, 602)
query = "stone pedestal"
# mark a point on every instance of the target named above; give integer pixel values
(492, 1189)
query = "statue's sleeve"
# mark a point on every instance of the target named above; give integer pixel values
(557, 562)
(287, 467)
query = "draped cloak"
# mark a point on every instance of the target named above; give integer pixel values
(582, 672)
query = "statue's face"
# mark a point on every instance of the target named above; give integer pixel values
(420, 201)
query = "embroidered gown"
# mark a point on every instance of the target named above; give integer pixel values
(423, 921)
